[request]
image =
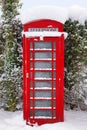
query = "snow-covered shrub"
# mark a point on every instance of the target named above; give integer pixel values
(12, 80)
(12, 90)
(75, 56)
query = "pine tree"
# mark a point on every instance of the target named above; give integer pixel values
(12, 69)
(1, 51)
(1, 63)
(74, 63)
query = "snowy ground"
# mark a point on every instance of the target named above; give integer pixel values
(74, 120)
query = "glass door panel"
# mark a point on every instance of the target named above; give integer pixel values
(43, 79)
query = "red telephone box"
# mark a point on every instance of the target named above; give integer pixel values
(43, 72)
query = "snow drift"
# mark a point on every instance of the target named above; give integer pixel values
(74, 120)
(55, 13)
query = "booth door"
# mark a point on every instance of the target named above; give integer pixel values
(43, 84)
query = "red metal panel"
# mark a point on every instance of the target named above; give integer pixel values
(27, 78)
(44, 23)
(24, 78)
(60, 79)
(23, 68)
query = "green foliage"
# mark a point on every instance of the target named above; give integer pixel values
(75, 56)
(9, 92)
(85, 46)
(73, 52)
(1, 52)
(12, 28)
(10, 9)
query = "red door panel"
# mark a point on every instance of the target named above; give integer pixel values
(44, 76)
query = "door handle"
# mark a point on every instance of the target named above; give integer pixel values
(27, 75)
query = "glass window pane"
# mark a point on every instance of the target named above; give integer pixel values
(31, 103)
(54, 113)
(31, 55)
(54, 66)
(30, 45)
(43, 94)
(43, 65)
(43, 84)
(31, 65)
(43, 113)
(54, 93)
(31, 93)
(54, 55)
(54, 74)
(54, 84)
(31, 75)
(31, 113)
(54, 103)
(42, 45)
(54, 45)
(31, 84)
(43, 75)
(43, 103)
(43, 55)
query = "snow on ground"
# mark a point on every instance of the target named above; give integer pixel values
(74, 120)
(55, 13)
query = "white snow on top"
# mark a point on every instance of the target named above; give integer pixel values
(45, 12)
(74, 120)
(45, 34)
(78, 13)
(55, 13)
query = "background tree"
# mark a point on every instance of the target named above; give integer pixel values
(1, 62)
(12, 28)
(75, 55)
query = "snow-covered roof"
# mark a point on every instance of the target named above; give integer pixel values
(45, 12)
(55, 13)
(44, 34)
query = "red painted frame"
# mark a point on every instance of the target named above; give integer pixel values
(59, 71)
